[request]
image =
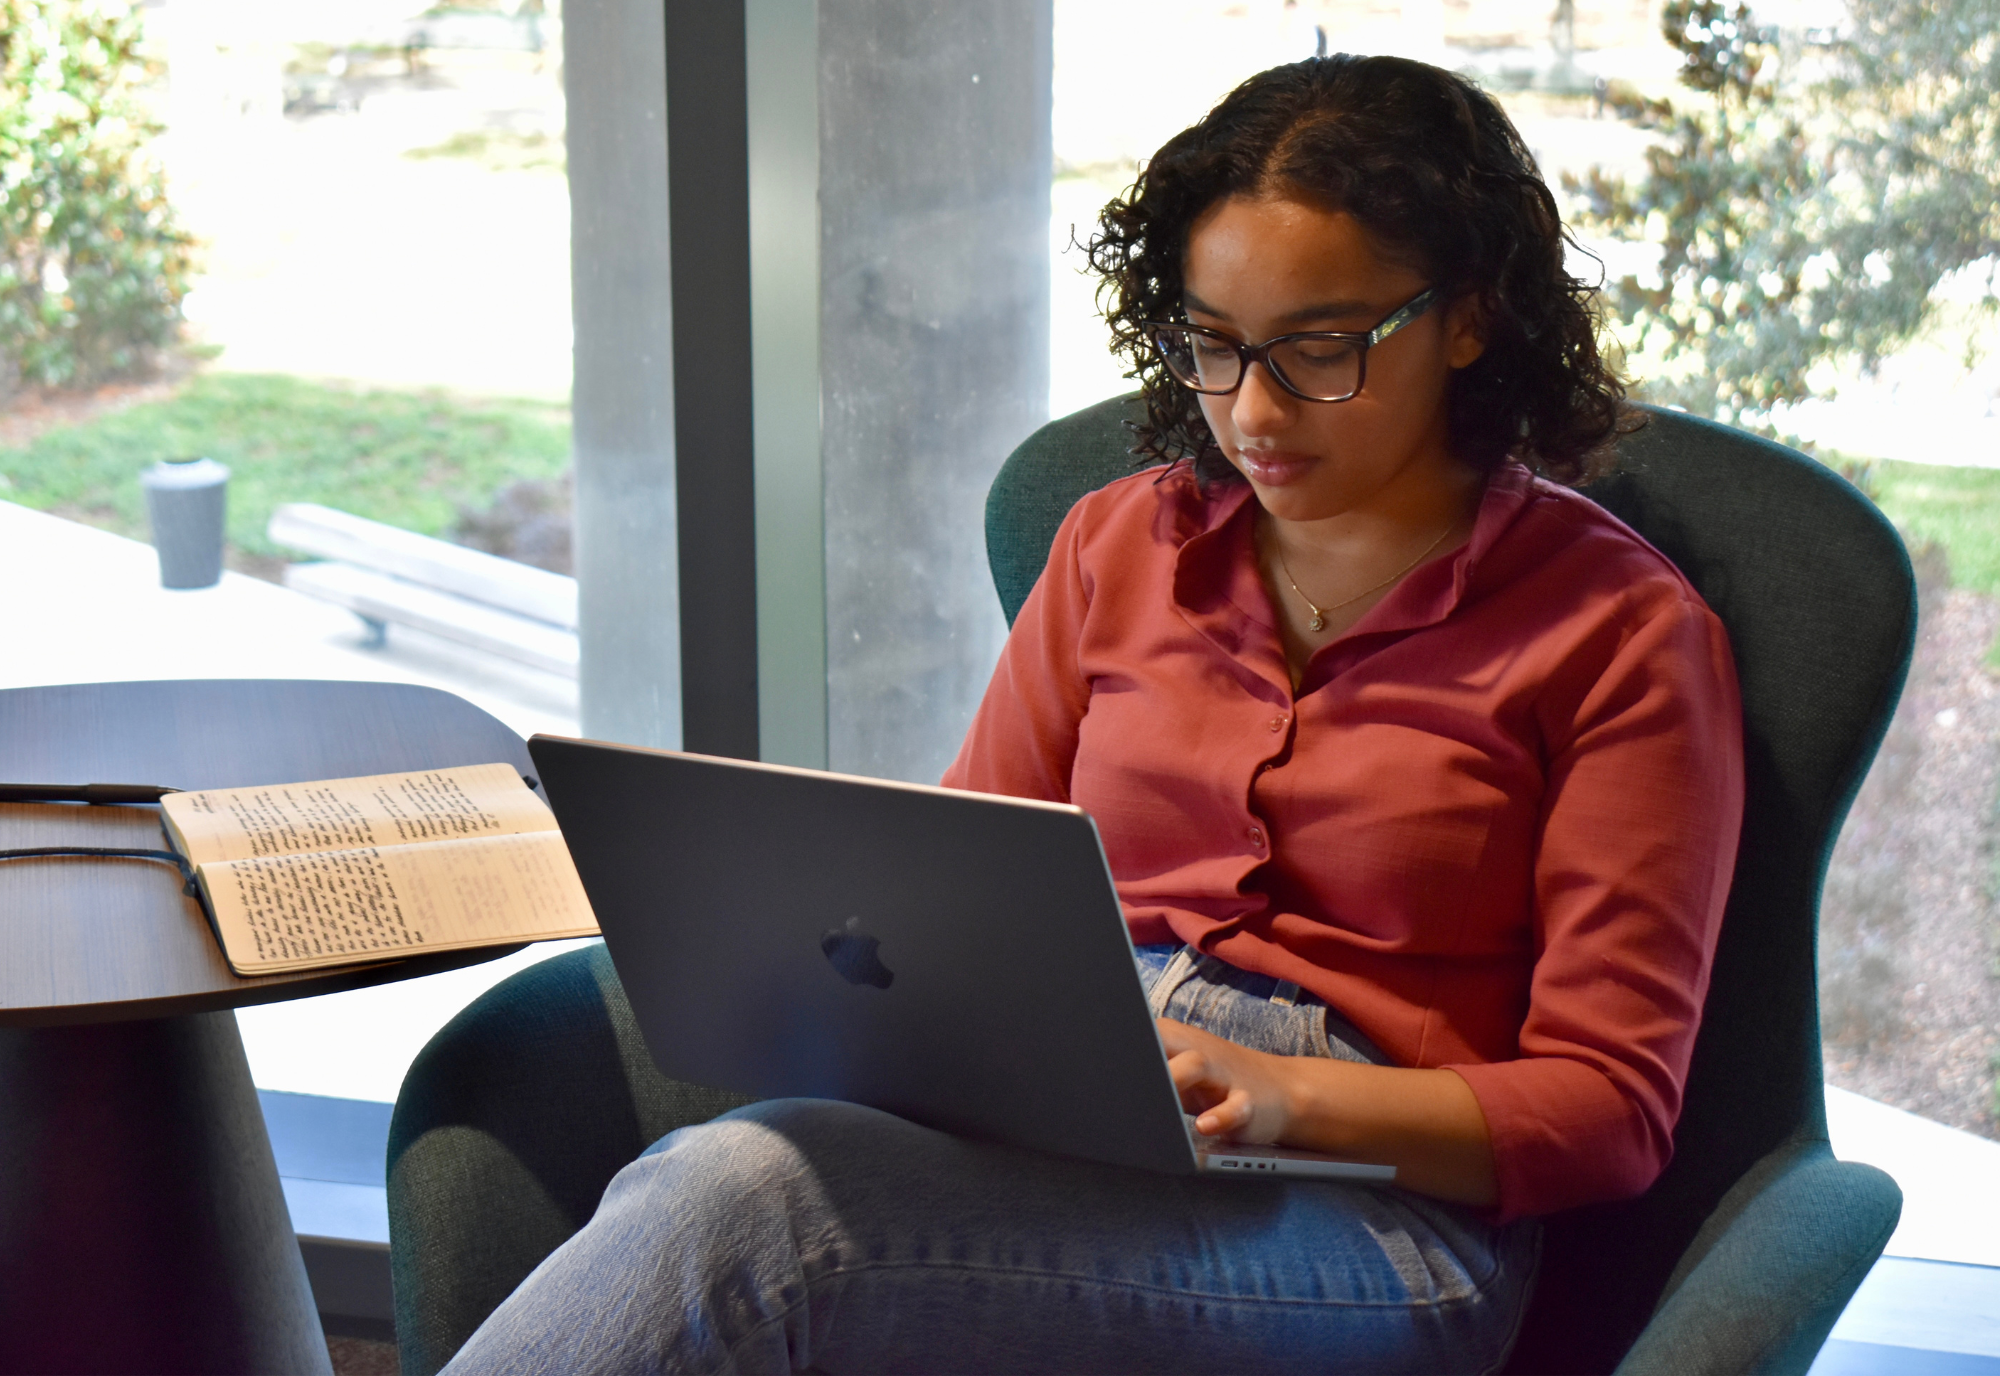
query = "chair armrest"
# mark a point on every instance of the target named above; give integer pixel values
(1764, 1280)
(508, 1127)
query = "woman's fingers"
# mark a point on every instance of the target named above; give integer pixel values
(1230, 1088)
(1195, 1078)
(1206, 1082)
(1232, 1114)
(1189, 1068)
(1178, 1036)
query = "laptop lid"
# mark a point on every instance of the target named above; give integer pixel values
(957, 959)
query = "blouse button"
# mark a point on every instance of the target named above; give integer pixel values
(1277, 724)
(1257, 836)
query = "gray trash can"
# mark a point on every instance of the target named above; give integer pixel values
(185, 502)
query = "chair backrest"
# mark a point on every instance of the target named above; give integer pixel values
(1819, 599)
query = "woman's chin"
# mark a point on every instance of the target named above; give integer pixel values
(1294, 502)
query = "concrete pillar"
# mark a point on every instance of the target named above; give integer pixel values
(627, 515)
(808, 583)
(785, 368)
(934, 205)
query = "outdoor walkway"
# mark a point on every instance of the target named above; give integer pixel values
(85, 606)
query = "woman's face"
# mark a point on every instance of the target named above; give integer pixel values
(1263, 266)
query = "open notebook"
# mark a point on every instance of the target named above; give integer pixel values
(343, 871)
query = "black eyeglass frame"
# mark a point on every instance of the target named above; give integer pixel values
(1247, 354)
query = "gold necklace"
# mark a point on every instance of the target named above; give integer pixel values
(1318, 622)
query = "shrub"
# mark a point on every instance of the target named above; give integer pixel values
(92, 263)
(1807, 197)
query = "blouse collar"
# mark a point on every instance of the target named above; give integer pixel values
(1218, 591)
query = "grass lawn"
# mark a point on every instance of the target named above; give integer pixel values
(411, 459)
(1959, 508)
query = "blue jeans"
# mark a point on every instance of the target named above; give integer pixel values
(807, 1235)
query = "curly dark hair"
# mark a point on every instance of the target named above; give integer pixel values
(1436, 173)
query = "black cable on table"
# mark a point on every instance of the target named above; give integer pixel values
(96, 795)
(173, 858)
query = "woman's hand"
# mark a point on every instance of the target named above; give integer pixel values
(1425, 1123)
(1236, 1092)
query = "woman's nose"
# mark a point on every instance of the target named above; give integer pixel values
(1261, 406)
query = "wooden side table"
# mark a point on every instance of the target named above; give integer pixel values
(142, 1227)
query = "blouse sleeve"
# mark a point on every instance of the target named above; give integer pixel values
(1023, 739)
(1637, 845)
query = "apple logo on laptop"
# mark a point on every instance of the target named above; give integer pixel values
(851, 951)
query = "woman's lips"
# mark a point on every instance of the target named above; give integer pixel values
(1274, 467)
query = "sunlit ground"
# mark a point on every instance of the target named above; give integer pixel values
(332, 253)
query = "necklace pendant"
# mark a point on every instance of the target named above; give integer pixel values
(1318, 622)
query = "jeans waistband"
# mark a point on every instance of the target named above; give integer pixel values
(1255, 1010)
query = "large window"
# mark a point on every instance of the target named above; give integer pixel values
(362, 214)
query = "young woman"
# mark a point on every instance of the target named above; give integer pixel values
(1420, 778)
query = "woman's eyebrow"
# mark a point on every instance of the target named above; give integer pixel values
(1323, 310)
(1331, 310)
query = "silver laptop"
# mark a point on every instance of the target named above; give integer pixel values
(957, 959)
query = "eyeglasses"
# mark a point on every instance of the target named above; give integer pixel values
(1319, 365)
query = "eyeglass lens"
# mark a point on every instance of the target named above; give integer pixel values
(1323, 369)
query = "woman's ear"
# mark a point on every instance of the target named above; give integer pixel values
(1465, 330)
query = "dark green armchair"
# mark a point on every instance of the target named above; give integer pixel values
(1739, 1259)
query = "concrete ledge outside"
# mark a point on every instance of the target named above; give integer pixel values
(332, 1162)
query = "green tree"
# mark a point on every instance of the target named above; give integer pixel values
(92, 264)
(1806, 198)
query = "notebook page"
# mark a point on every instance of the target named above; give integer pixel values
(287, 912)
(341, 814)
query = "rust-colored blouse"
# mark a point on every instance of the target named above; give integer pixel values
(1494, 826)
